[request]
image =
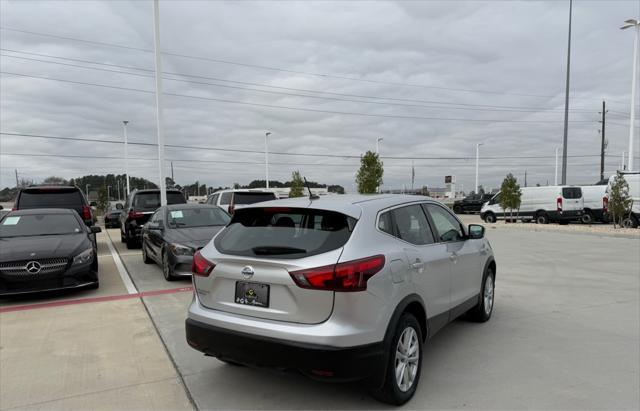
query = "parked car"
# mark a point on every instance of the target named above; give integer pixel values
(471, 203)
(174, 233)
(137, 210)
(339, 288)
(46, 249)
(55, 197)
(633, 180)
(593, 203)
(232, 200)
(112, 216)
(3, 212)
(560, 204)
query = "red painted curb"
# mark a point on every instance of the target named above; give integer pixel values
(95, 299)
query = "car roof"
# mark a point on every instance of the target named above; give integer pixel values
(39, 211)
(243, 190)
(349, 204)
(50, 188)
(185, 206)
(156, 190)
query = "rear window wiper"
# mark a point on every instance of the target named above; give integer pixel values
(275, 250)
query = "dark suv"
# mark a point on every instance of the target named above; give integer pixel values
(55, 197)
(471, 204)
(139, 207)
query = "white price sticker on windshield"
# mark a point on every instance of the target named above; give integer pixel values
(11, 221)
(177, 214)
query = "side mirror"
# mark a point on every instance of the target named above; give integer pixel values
(95, 230)
(118, 206)
(476, 231)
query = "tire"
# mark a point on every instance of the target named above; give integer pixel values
(490, 218)
(457, 209)
(482, 312)
(132, 242)
(587, 218)
(630, 222)
(542, 218)
(123, 239)
(145, 256)
(407, 337)
(93, 286)
(167, 269)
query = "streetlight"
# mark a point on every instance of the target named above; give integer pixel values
(635, 24)
(159, 105)
(126, 155)
(378, 140)
(108, 195)
(266, 157)
(477, 163)
(86, 190)
(556, 179)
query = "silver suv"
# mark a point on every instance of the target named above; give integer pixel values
(339, 288)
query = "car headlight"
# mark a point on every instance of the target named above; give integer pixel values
(84, 257)
(178, 249)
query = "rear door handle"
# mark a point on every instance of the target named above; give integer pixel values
(417, 265)
(453, 257)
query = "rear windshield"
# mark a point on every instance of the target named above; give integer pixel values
(197, 217)
(252, 198)
(284, 232)
(571, 192)
(42, 224)
(151, 201)
(50, 199)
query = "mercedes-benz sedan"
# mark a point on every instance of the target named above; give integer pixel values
(340, 287)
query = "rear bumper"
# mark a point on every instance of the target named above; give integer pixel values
(317, 361)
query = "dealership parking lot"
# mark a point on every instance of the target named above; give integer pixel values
(565, 334)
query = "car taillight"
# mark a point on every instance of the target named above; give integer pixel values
(605, 204)
(14, 208)
(347, 276)
(135, 214)
(559, 204)
(201, 266)
(86, 212)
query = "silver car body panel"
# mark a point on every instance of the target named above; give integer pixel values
(449, 273)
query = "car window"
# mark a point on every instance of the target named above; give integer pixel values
(151, 200)
(50, 199)
(225, 198)
(276, 232)
(447, 226)
(412, 226)
(384, 223)
(40, 224)
(197, 217)
(213, 199)
(571, 192)
(252, 197)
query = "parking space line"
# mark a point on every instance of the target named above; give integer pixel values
(95, 299)
(124, 275)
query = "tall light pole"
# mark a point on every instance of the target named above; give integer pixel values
(566, 103)
(126, 155)
(477, 164)
(555, 181)
(636, 25)
(266, 157)
(86, 190)
(378, 140)
(108, 195)
(159, 115)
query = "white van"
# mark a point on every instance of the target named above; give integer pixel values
(231, 200)
(633, 179)
(543, 204)
(594, 200)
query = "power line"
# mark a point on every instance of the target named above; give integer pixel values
(348, 113)
(256, 66)
(489, 107)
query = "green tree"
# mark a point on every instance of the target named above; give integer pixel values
(297, 185)
(338, 189)
(55, 181)
(369, 177)
(103, 201)
(425, 191)
(510, 195)
(620, 202)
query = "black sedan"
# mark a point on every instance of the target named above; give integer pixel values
(46, 249)
(176, 231)
(112, 217)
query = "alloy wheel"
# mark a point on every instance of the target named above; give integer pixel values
(488, 295)
(407, 359)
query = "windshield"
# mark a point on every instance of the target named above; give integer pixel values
(151, 201)
(252, 198)
(278, 232)
(197, 217)
(41, 224)
(50, 199)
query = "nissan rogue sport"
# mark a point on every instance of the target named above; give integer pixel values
(339, 288)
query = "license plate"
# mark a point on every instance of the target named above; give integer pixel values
(252, 294)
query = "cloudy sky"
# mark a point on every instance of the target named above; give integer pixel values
(325, 78)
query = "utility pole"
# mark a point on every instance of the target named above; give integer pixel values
(525, 178)
(266, 158)
(636, 25)
(566, 103)
(16, 170)
(126, 155)
(477, 163)
(159, 115)
(172, 172)
(555, 182)
(603, 144)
